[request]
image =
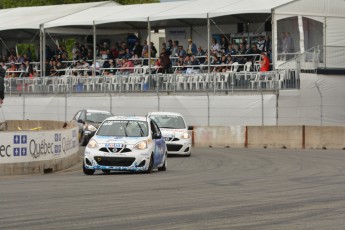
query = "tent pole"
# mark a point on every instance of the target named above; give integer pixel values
(149, 43)
(43, 48)
(274, 41)
(208, 47)
(94, 49)
(301, 34)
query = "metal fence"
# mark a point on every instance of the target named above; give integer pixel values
(197, 82)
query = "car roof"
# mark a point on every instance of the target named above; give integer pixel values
(96, 111)
(164, 113)
(127, 118)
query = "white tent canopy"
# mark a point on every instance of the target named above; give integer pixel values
(29, 19)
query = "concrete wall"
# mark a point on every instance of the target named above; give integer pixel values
(34, 146)
(293, 137)
(219, 136)
(325, 137)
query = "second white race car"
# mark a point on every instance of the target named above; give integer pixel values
(175, 132)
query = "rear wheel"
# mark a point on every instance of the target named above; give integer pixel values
(88, 171)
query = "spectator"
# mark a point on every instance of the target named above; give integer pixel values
(153, 50)
(122, 50)
(268, 47)
(2, 84)
(224, 44)
(11, 70)
(265, 63)
(137, 49)
(215, 48)
(241, 50)
(196, 64)
(181, 51)
(230, 50)
(145, 50)
(165, 62)
(200, 52)
(261, 44)
(175, 49)
(127, 67)
(191, 49)
(128, 54)
(169, 47)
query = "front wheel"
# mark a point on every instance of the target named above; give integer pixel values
(88, 171)
(83, 140)
(164, 166)
(150, 168)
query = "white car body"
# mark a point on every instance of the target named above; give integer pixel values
(175, 132)
(126, 151)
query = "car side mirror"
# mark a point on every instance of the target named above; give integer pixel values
(81, 121)
(156, 136)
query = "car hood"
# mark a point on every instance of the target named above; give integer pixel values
(103, 140)
(172, 132)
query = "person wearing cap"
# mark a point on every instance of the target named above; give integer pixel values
(192, 50)
(2, 84)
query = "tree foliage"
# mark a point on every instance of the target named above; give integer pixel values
(22, 3)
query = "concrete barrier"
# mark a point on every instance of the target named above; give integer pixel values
(292, 137)
(275, 137)
(28, 147)
(324, 137)
(219, 136)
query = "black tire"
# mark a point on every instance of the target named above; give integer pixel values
(150, 168)
(164, 166)
(106, 171)
(88, 171)
(83, 141)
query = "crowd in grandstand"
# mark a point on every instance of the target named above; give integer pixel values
(123, 58)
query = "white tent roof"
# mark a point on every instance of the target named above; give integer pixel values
(111, 14)
(247, 7)
(180, 13)
(32, 17)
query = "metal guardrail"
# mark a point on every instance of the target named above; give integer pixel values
(196, 82)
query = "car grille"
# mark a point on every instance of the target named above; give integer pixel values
(171, 139)
(115, 150)
(114, 161)
(174, 148)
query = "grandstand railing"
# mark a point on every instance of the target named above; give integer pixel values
(139, 82)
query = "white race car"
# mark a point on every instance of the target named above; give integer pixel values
(175, 132)
(126, 143)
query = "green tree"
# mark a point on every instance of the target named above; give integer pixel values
(23, 3)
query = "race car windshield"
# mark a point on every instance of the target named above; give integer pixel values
(97, 117)
(169, 122)
(123, 128)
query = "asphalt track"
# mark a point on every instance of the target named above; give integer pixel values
(213, 189)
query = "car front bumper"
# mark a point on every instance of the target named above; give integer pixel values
(129, 161)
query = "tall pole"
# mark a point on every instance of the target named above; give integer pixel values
(41, 50)
(149, 42)
(209, 48)
(94, 49)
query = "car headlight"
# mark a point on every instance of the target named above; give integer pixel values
(91, 128)
(92, 144)
(141, 145)
(185, 136)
